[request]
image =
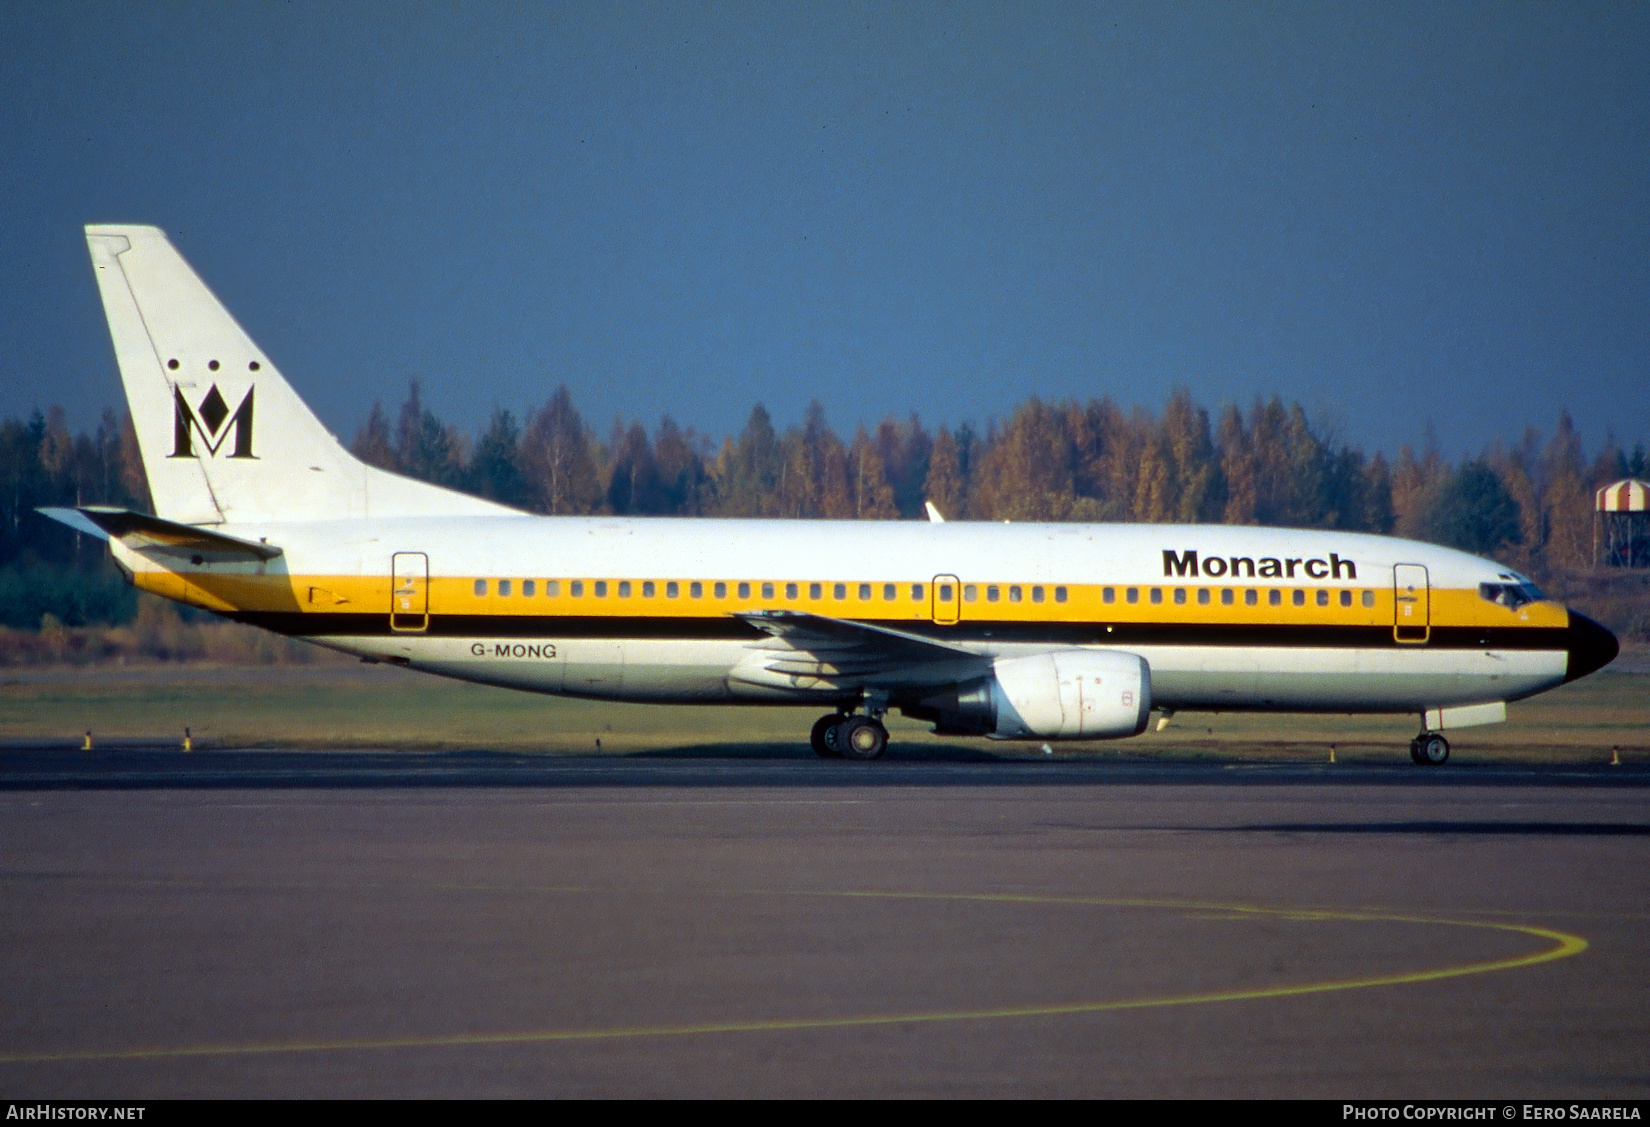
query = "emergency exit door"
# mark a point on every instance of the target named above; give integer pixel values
(1412, 603)
(410, 592)
(947, 595)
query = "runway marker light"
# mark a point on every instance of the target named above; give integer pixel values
(1331, 753)
(1615, 757)
(188, 741)
(87, 746)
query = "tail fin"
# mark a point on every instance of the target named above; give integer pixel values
(224, 438)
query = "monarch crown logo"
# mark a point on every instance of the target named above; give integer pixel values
(212, 423)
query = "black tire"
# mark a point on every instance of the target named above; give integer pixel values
(1415, 751)
(860, 737)
(1434, 750)
(817, 738)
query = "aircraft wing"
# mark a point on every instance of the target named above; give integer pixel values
(140, 531)
(850, 653)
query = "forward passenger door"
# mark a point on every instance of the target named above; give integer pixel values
(1412, 603)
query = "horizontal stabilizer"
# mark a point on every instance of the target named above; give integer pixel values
(139, 531)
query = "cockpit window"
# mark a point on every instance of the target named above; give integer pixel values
(1510, 595)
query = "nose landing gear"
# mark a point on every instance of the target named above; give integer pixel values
(1429, 749)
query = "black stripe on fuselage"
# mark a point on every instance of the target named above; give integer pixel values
(725, 627)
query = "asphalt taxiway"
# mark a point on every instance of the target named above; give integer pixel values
(463, 924)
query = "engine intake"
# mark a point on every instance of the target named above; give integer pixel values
(1057, 695)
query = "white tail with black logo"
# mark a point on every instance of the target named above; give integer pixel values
(224, 437)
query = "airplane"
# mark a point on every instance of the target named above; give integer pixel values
(1038, 632)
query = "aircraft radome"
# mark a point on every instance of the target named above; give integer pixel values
(1013, 631)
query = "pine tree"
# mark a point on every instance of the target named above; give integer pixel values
(1237, 468)
(1195, 472)
(495, 467)
(748, 471)
(944, 486)
(1026, 472)
(372, 442)
(873, 496)
(681, 469)
(1567, 498)
(424, 448)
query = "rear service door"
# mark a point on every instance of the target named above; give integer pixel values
(1412, 603)
(410, 592)
(947, 599)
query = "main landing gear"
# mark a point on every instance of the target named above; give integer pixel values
(1429, 749)
(839, 735)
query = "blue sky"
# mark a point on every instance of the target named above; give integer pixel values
(1395, 214)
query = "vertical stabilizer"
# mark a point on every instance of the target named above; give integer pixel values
(224, 437)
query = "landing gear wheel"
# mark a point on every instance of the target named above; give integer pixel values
(860, 737)
(822, 740)
(1433, 750)
(1415, 751)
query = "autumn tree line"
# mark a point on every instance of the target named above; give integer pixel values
(1527, 502)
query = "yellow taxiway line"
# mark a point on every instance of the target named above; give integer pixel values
(1563, 946)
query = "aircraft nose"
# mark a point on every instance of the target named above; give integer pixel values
(1591, 647)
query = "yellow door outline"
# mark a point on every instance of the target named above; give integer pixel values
(409, 592)
(1411, 605)
(947, 599)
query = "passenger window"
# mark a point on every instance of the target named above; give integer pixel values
(1036, 594)
(552, 588)
(1323, 597)
(672, 589)
(647, 589)
(696, 590)
(1014, 594)
(1059, 594)
(839, 591)
(1202, 596)
(767, 590)
(1369, 598)
(971, 593)
(944, 592)
(528, 588)
(992, 593)
(1108, 595)
(1274, 597)
(888, 593)
(790, 590)
(1346, 598)
(744, 590)
(1299, 597)
(1157, 594)
(916, 592)
(504, 587)
(601, 589)
(720, 590)
(576, 588)
(864, 592)
(815, 591)
(1180, 596)
(624, 588)
(481, 586)
(1251, 597)
(1132, 595)
(1226, 597)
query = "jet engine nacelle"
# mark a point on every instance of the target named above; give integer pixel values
(1058, 695)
